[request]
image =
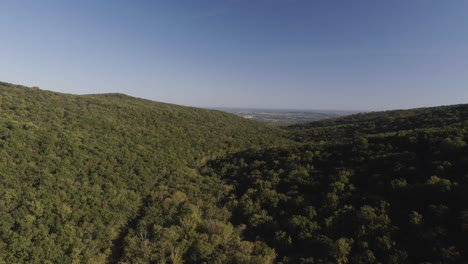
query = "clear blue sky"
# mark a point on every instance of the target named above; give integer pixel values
(308, 54)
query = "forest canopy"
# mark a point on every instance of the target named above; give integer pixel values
(116, 179)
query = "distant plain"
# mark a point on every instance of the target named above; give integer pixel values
(283, 117)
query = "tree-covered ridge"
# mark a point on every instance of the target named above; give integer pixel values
(78, 173)
(380, 122)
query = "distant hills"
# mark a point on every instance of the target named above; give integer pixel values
(115, 179)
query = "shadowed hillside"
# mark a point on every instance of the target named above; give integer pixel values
(384, 187)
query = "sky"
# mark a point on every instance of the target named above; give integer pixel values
(289, 54)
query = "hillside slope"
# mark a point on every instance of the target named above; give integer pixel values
(380, 122)
(385, 187)
(78, 172)
(115, 179)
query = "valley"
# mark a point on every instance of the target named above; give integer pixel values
(111, 178)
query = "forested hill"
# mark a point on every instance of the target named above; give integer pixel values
(386, 187)
(381, 122)
(78, 173)
(115, 179)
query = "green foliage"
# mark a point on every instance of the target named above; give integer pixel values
(115, 179)
(367, 198)
(111, 178)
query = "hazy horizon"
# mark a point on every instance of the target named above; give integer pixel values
(349, 56)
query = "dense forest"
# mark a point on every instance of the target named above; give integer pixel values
(115, 179)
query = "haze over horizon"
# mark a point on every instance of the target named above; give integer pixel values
(297, 54)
